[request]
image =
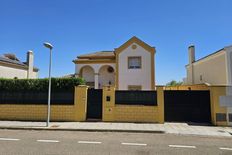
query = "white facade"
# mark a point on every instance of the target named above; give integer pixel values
(9, 69)
(9, 72)
(134, 77)
(214, 69)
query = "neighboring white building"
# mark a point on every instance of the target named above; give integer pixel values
(214, 69)
(11, 67)
(130, 66)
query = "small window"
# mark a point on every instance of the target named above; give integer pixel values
(134, 62)
(130, 87)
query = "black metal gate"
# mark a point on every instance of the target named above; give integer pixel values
(131, 97)
(187, 106)
(94, 104)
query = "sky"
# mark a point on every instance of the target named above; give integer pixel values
(76, 27)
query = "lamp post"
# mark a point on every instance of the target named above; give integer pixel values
(48, 45)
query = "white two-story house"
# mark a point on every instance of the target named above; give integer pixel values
(131, 66)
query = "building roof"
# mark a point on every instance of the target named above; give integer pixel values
(11, 59)
(218, 51)
(110, 56)
(8, 60)
(99, 54)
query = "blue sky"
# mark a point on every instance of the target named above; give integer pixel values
(76, 27)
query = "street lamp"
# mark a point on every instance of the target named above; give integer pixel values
(48, 45)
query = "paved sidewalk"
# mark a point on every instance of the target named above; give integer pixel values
(172, 128)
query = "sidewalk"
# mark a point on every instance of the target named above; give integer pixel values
(171, 128)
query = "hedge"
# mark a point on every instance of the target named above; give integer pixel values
(40, 85)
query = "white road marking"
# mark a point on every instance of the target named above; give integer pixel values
(137, 144)
(9, 139)
(89, 142)
(224, 148)
(48, 141)
(183, 146)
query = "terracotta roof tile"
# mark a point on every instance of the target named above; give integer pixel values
(98, 54)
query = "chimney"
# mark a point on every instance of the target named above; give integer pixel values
(190, 71)
(30, 63)
(191, 53)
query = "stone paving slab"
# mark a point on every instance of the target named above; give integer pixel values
(170, 128)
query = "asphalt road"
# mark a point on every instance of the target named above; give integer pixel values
(24, 142)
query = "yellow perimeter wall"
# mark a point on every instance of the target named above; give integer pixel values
(131, 113)
(34, 112)
(111, 112)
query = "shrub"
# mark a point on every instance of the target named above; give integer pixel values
(40, 85)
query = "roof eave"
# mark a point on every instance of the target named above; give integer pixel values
(95, 57)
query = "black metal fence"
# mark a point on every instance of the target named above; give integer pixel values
(128, 97)
(41, 98)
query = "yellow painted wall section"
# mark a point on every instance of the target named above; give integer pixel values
(108, 106)
(136, 113)
(215, 93)
(187, 87)
(33, 112)
(160, 102)
(81, 102)
(129, 113)
(36, 112)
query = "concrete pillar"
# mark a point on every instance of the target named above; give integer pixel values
(96, 82)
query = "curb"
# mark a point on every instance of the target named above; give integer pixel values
(87, 130)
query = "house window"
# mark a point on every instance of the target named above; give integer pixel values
(134, 62)
(134, 87)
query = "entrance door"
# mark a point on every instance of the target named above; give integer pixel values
(94, 104)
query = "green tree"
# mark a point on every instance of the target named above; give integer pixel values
(174, 83)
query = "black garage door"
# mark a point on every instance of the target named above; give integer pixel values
(187, 106)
